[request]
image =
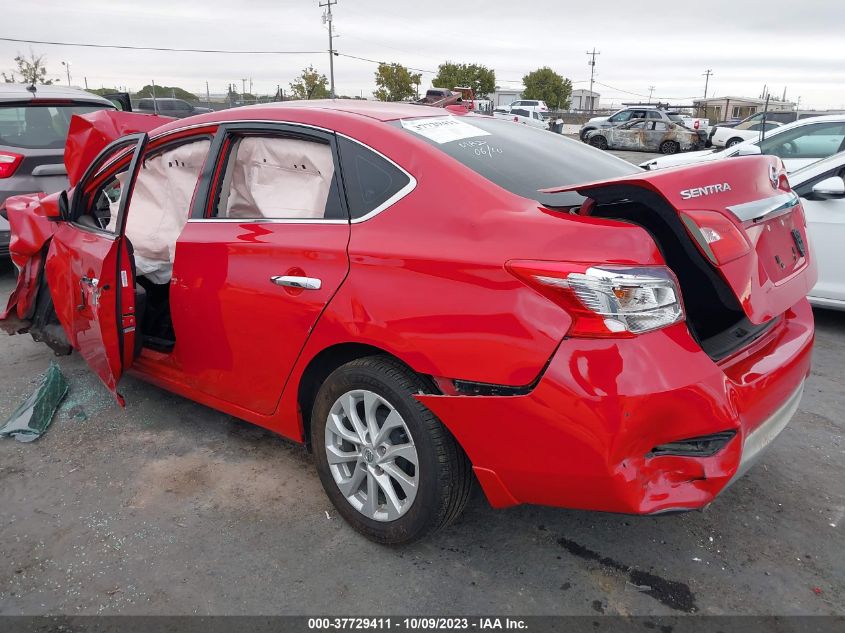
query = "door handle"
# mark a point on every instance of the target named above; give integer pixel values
(91, 283)
(306, 283)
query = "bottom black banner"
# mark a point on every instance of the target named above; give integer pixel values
(529, 624)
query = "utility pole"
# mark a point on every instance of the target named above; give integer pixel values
(706, 74)
(650, 92)
(327, 19)
(243, 90)
(592, 65)
(67, 68)
(207, 96)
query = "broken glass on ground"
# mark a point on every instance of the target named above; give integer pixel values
(34, 415)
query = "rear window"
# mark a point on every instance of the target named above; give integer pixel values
(519, 158)
(39, 126)
(675, 117)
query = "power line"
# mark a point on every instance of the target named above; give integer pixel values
(159, 48)
(376, 61)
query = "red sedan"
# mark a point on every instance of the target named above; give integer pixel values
(428, 298)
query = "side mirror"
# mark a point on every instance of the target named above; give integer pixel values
(829, 188)
(748, 149)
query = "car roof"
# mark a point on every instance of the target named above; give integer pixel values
(373, 110)
(22, 92)
(380, 110)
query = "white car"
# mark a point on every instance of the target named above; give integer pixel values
(518, 115)
(822, 191)
(532, 105)
(730, 136)
(798, 144)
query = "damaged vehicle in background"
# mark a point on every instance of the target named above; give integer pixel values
(651, 113)
(645, 136)
(797, 144)
(649, 332)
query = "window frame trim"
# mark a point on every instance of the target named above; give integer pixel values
(396, 197)
(210, 173)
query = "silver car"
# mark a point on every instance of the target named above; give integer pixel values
(34, 122)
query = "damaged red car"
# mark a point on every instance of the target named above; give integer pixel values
(429, 299)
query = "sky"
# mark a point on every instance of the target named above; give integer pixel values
(781, 44)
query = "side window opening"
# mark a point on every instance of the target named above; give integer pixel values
(279, 177)
(160, 205)
(157, 213)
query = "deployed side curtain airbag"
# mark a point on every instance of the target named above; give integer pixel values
(160, 207)
(279, 178)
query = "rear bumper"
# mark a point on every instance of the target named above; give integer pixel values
(583, 437)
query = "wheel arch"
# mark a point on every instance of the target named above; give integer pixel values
(326, 361)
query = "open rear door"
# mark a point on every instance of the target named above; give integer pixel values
(89, 265)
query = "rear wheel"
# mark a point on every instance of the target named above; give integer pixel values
(733, 141)
(669, 147)
(386, 462)
(598, 141)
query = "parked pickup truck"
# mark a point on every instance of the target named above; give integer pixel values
(650, 113)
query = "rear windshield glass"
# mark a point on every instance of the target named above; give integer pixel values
(674, 116)
(39, 126)
(517, 157)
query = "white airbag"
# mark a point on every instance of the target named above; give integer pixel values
(279, 178)
(160, 207)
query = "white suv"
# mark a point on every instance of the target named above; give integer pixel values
(532, 105)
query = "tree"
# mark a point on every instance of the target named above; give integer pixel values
(166, 92)
(107, 91)
(481, 79)
(546, 85)
(310, 85)
(32, 70)
(395, 82)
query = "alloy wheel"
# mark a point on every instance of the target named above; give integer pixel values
(371, 455)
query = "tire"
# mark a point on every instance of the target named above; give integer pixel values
(733, 141)
(598, 141)
(442, 473)
(669, 147)
(583, 133)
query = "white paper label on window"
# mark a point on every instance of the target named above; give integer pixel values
(443, 129)
(124, 279)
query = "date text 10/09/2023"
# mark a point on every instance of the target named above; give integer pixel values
(416, 623)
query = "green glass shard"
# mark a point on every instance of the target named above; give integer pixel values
(31, 419)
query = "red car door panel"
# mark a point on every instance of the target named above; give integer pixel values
(238, 333)
(90, 277)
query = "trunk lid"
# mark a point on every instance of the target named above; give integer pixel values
(771, 267)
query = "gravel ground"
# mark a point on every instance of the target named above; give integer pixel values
(167, 507)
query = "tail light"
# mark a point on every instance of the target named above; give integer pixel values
(606, 300)
(717, 237)
(697, 124)
(9, 163)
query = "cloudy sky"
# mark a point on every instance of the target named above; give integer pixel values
(747, 44)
